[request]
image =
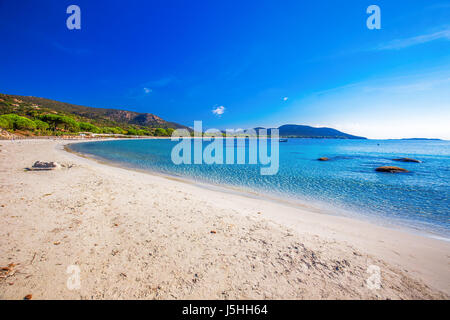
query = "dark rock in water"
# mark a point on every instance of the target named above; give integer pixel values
(407, 160)
(390, 169)
(40, 165)
(323, 159)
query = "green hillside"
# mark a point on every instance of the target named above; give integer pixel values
(40, 116)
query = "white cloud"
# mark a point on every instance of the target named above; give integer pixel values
(285, 98)
(404, 106)
(408, 42)
(408, 88)
(147, 90)
(219, 111)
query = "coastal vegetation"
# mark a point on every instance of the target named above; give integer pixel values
(32, 116)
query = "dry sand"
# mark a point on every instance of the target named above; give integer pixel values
(142, 236)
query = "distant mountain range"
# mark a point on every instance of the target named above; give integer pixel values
(98, 116)
(301, 131)
(432, 139)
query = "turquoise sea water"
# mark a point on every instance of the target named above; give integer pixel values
(347, 184)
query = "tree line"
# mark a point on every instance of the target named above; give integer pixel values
(54, 124)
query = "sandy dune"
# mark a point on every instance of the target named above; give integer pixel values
(142, 236)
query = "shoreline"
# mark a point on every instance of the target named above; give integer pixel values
(261, 249)
(319, 207)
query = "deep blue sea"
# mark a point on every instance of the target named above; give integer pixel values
(347, 184)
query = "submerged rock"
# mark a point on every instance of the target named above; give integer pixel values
(407, 160)
(323, 159)
(390, 169)
(40, 165)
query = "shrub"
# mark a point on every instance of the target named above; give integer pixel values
(159, 132)
(170, 131)
(6, 122)
(132, 132)
(13, 121)
(23, 123)
(60, 122)
(69, 124)
(115, 130)
(143, 132)
(107, 130)
(41, 125)
(120, 130)
(84, 126)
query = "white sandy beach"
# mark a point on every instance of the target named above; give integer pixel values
(137, 235)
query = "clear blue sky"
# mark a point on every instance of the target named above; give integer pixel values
(259, 63)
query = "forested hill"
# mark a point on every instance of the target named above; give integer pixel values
(302, 131)
(42, 109)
